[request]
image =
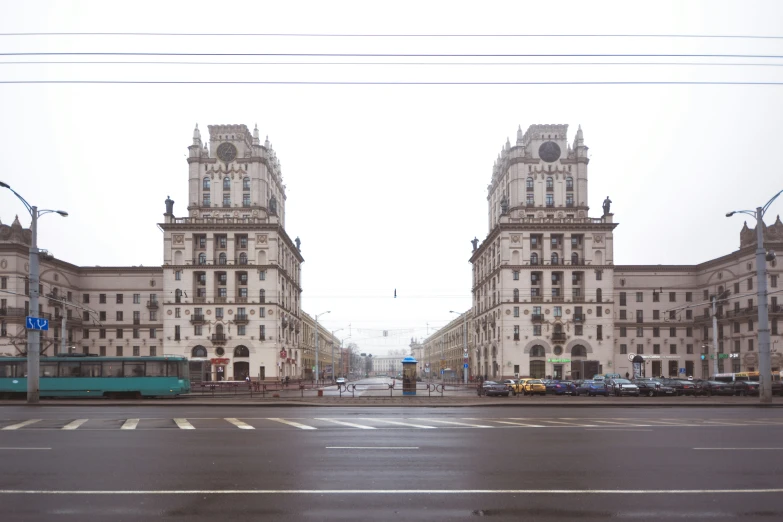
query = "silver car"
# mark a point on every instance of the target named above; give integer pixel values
(622, 387)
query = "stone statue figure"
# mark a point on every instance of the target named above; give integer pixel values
(273, 205)
(297, 243)
(169, 206)
(607, 203)
(504, 204)
(475, 243)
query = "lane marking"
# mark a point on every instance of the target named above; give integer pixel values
(621, 423)
(456, 423)
(375, 447)
(521, 424)
(22, 424)
(614, 429)
(422, 426)
(397, 492)
(292, 423)
(350, 424)
(130, 424)
(239, 424)
(74, 424)
(183, 424)
(723, 423)
(742, 449)
(568, 424)
(17, 449)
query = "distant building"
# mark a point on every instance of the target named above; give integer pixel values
(549, 300)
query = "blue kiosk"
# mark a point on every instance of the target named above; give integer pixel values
(409, 376)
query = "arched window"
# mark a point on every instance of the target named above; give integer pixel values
(202, 259)
(574, 258)
(219, 330)
(207, 184)
(242, 258)
(555, 258)
(516, 295)
(529, 183)
(558, 329)
(262, 296)
(222, 258)
(550, 184)
(569, 183)
(598, 296)
(198, 351)
(226, 183)
(533, 258)
(177, 295)
(246, 184)
(537, 351)
(241, 351)
(578, 351)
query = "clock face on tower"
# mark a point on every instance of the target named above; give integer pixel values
(549, 151)
(227, 152)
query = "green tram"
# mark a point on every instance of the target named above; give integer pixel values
(78, 375)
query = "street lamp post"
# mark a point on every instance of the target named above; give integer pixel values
(765, 364)
(33, 339)
(341, 355)
(464, 345)
(334, 332)
(316, 342)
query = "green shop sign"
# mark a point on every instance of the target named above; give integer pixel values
(559, 360)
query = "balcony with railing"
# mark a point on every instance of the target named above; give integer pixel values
(558, 337)
(218, 339)
(578, 318)
(153, 304)
(241, 318)
(537, 318)
(197, 319)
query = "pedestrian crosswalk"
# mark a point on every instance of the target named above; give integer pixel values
(374, 423)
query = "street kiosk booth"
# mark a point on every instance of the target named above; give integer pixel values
(409, 376)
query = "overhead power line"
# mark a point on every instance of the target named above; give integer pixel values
(217, 82)
(150, 62)
(408, 35)
(411, 55)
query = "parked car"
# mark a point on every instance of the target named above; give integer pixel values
(511, 385)
(534, 387)
(746, 388)
(591, 388)
(620, 387)
(492, 388)
(681, 387)
(560, 387)
(340, 380)
(710, 388)
(653, 388)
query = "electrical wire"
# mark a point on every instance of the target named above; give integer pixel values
(218, 82)
(407, 35)
(411, 55)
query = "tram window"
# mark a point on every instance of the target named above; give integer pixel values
(69, 369)
(112, 369)
(133, 369)
(13, 369)
(156, 369)
(91, 370)
(172, 367)
(48, 370)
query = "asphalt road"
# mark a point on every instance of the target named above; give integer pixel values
(239, 463)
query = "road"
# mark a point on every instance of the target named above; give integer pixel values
(408, 463)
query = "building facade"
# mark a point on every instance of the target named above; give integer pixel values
(227, 295)
(549, 300)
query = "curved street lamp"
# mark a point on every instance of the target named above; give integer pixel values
(765, 364)
(316, 342)
(33, 339)
(464, 346)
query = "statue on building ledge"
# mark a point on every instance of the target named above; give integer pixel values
(606, 205)
(169, 206)
(475, 243)
(273, 206)
(504, 205)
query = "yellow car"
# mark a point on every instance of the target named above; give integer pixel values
(534, 387)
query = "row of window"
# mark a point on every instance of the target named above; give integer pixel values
(98, 368)
(120, 298)
(656, 349)
(207, 183)
(221, 241)
(550, 200)
(554, 258)
(550, 183)
(206, 200)
(656, 296)
(556, 292)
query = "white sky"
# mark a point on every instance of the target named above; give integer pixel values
(386, 184)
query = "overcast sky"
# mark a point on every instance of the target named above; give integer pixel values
(387, 184)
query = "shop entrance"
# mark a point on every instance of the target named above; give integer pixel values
(558, 372)
(220, 373)
(656, 369)
(673, 369)
(241, 370)
(262, 373)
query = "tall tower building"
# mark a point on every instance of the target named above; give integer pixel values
(543, 276)
(231, 274)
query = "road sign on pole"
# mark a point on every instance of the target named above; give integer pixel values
(36, 323)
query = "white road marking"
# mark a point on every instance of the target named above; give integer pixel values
(183, 424)
(22, 424)
(130, 424)
(742, 449)
(614, 429)
(723, 423)
(422, 426)
(521, 424)
(396, 492)
(74, 424)
(375, 447)
(621, 423)
(568, 424)
(16, 449)
(343, 423)
(292, 423)
(456, 423)
(239, 424)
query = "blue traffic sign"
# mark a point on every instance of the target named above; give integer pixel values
(36, 323)
(465, 365)
(441, 372)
